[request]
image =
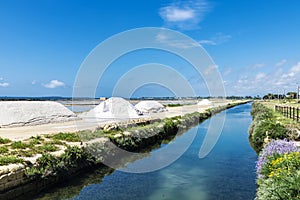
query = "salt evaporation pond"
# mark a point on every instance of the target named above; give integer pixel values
(227, 173)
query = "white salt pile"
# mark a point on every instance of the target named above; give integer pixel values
(150, 107)
(114, 107)
(26, 113)
(205, 102)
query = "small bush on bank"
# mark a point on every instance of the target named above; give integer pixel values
(4, 140)
(69, 137)
(264, 125)
(5, 160)
(278, 171)
(3, 149)
(19, 145)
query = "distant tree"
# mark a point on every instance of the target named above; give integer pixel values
(257, 97)
(292, 95)
(269, 96)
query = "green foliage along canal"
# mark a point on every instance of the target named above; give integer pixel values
(228, 172)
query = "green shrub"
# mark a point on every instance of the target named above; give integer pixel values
(264, 125)
(5, 160)
(74, 155)
(4, 140)
(48, 148)
(89, 135)
(19, 145)
(35, 140)
(3, 149)
(282, 180)
(69, 137)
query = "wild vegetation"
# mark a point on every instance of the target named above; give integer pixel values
(278, 170)
(278, 166)
(267, 125)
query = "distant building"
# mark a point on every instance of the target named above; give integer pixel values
(103, 98)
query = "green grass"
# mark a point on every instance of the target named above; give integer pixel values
(47, 148)
(4, 140)
(5, 160)
(36, 140)
(69, 137)
(3, 149)
(89, 135)
(19, 145)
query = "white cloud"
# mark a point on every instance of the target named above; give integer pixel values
(227, 71)
(260, 76)
(1, 78)
(275, 81)
(5, 84)
(174, 14)
(207, 42)
(258, 65)
(184, 14)
(211, 70)
(54, 84)
(33, 82)
(280, 63)
(295, 68)
(172, 41)
(218, 39)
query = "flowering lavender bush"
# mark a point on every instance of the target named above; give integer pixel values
(272, 151)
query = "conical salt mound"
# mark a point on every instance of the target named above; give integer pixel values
(150, 107)
(114, 107)
(27, 113)
(205, 102)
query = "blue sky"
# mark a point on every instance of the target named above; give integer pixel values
(254, 43)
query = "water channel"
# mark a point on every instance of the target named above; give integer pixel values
(227, 173)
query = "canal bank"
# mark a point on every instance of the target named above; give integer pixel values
(50, 169)
(228, 172)
(273, 136)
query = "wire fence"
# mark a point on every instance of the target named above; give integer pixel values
(289, 112)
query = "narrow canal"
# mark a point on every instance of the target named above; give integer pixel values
(227, 173)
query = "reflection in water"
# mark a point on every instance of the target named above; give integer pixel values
(228, 172)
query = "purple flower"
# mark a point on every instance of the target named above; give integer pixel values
(273, 148)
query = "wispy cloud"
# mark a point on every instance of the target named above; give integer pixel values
(260, 76)
(227, 71)
(175, 42)
(33, 82)
(5, 84)
(184, 14)
(54, 84)
(258, 65)
(276, 80)
(218, 39)
(296, 68)
(280, 63)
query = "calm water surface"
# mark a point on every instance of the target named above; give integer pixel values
(227, 173)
